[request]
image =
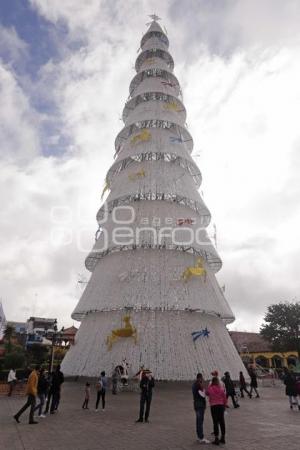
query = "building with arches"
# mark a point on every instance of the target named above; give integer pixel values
(254, 349)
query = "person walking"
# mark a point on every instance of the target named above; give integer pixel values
(114, 381)
(11, 380)
(101, 390)
(289, 380)
(50, 392)
(42, 389)
(230, 389)
(218, 401)
(57, 380)
(87, 392)
(298, 391)
(199, 406)
(243, 386)
(31, 391)
(253, 382)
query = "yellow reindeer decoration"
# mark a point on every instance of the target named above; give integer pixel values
(149, 61)
(106, 188)
(127, 331)
(194, 271)
(172, 106)
(135, 176)
(143, 136)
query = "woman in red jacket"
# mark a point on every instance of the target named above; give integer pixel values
(217, 401)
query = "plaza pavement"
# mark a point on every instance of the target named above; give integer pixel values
(259, 424)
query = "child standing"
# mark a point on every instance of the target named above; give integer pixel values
(87, 396)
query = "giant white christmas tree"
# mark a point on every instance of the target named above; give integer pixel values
(153, 297)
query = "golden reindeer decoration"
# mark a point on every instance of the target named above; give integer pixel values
(143, 136)
(194, 271)
(149, 61)
(106, 188)
(127, 331)
(135, 176)
(172, 106)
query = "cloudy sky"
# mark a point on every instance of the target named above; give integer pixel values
(65, 69)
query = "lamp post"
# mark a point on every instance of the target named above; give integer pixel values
(55, 335)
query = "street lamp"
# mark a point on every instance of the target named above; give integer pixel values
(55, 335)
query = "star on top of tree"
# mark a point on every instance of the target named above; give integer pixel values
(154, 17)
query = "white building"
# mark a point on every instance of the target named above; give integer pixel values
(41, 326)
(153, 297)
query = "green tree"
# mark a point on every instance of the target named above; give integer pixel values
(282, 326)
(8, 334)
(14, 360)
(37, 354)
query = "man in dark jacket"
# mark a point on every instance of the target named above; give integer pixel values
(57, 381)
(42, 390)
(253, 382)
(230, 389)
(199, 406)
(289, 380)
(146, 386)
(243, 386)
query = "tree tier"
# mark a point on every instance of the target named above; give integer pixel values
(154, 224)
(157, 34)
(152, 100)
(161, 79)
(131, 161)
(176, 132)
(164, 344)
(150, 279)
(155, 42)
(154, 56)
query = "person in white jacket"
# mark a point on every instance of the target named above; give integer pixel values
(11, 380)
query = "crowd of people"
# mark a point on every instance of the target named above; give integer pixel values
(41, 387)
(218, 391)
(146, 384)
(47, 389)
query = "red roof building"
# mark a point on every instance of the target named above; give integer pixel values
(254, 349)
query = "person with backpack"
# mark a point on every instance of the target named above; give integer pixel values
(101, 390)
(199, 406)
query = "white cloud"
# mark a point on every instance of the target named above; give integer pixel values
(13, 47)
(244, 115)
(19, 123)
